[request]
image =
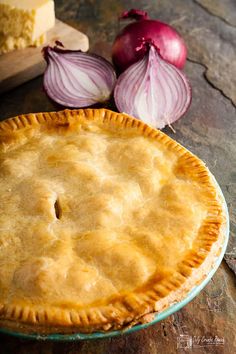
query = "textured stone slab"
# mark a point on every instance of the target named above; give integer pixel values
(224, 9)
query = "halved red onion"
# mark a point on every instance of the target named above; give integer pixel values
(153, 90)
(77, 79)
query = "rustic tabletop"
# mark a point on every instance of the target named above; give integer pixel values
(208, 323)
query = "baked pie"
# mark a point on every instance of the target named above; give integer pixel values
(103, 221)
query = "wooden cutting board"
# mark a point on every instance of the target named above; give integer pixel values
(22, 65)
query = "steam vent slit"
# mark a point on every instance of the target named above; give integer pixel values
(58, 211)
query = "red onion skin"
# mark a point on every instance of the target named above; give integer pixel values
(135, 14)
(170, 44)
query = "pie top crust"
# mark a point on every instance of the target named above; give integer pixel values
(102, 218)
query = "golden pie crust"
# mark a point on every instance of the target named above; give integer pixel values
(103, 221)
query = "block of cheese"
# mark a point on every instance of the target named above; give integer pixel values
(24, 23)
(9, 43)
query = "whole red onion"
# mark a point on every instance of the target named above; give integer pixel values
(170, 44)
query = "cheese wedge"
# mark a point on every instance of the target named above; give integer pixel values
(24, 23)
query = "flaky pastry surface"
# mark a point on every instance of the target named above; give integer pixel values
(101, 218)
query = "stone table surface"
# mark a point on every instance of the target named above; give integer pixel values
(208, 323)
